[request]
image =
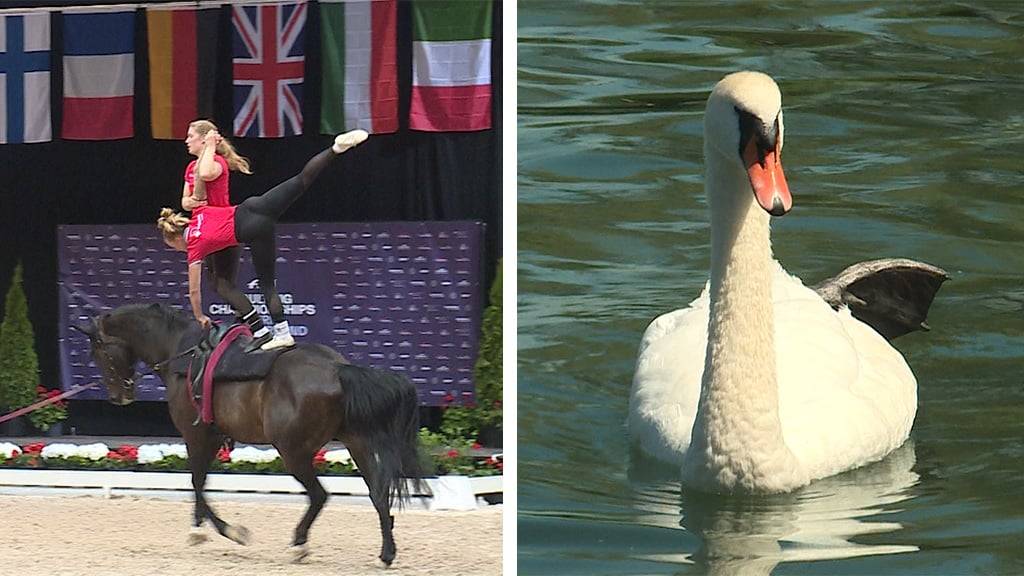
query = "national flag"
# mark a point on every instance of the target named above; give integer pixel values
(99, 75)
(360, 66)
(25, 78)
(451, 65)
(269, 69)
(182, 67)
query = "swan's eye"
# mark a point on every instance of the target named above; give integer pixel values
(751, 127)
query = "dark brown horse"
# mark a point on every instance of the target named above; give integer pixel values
(310, 396)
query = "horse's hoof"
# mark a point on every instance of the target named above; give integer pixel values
(197, 536)
(384, 564)
(298, 552)
(239, 534)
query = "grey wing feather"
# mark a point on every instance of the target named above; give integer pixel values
(892, 295)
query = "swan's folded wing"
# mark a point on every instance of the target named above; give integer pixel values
(892, 295)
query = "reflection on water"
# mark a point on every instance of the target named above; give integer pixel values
(752, 535)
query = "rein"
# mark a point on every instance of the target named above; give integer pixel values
(128, 384)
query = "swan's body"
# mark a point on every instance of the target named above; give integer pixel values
(759, 385)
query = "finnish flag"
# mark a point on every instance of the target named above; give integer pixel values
(25, 78)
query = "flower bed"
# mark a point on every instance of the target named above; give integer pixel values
(172, 457)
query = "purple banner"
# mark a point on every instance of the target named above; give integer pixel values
(399, 295)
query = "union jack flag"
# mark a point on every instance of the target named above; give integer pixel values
(269, 69)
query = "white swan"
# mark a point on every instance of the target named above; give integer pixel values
(759, 385)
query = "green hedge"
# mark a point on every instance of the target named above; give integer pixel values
(19, 367)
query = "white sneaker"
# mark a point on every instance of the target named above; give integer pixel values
(279, 342)
(349, 139)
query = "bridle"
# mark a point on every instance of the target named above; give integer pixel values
(128, 384)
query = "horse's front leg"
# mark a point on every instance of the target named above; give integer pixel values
(202, 447)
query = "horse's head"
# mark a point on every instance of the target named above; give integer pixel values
(115, 358)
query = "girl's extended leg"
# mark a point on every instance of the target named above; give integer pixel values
(256, 218)
(275, 201)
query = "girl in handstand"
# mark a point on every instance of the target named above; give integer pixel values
(252, 222)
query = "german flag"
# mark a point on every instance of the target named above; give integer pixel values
(182, 67)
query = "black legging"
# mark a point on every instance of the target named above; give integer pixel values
(223, 267)
(255, 220)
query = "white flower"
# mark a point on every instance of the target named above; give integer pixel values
(7, 449)
(60, 450)
(339, 456)
(156, 452)
(253, 454)
(97, 451)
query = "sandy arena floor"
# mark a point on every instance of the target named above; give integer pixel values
(130, 535)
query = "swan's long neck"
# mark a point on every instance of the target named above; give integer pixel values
(737, 436)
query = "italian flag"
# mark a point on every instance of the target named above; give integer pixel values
(451, 65)
(360, 67)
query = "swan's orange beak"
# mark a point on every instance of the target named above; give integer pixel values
(767, 179)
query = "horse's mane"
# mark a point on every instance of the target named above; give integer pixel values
(156, 310)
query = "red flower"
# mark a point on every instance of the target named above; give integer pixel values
(111, 455)
(223, 455)
(448, 398)
(34, 448)
(15, 453)
(319, 458)
(453, 453)
(497, 403)
(476, 446)
(128, 452)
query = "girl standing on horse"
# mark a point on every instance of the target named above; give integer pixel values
(213, 228)
(206, 184)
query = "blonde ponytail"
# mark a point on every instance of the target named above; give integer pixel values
(235, 161)
(171, 223)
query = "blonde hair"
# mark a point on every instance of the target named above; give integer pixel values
(235, 161)
(170, 223)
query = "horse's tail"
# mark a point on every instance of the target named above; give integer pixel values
(383, 407)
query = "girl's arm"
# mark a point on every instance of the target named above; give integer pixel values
(188, 202)
(198, 183)
(195, 294)
(207, 167)
(198, 197)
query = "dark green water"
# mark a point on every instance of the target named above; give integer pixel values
(904, 137)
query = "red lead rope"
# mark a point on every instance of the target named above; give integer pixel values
(48, 401)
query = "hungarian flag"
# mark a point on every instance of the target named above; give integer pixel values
(360, 68)
(182, 67)
(451, 65)
(269, 69)
(25, 78)
(99, 75)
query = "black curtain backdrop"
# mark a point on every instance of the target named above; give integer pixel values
(403, 176)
